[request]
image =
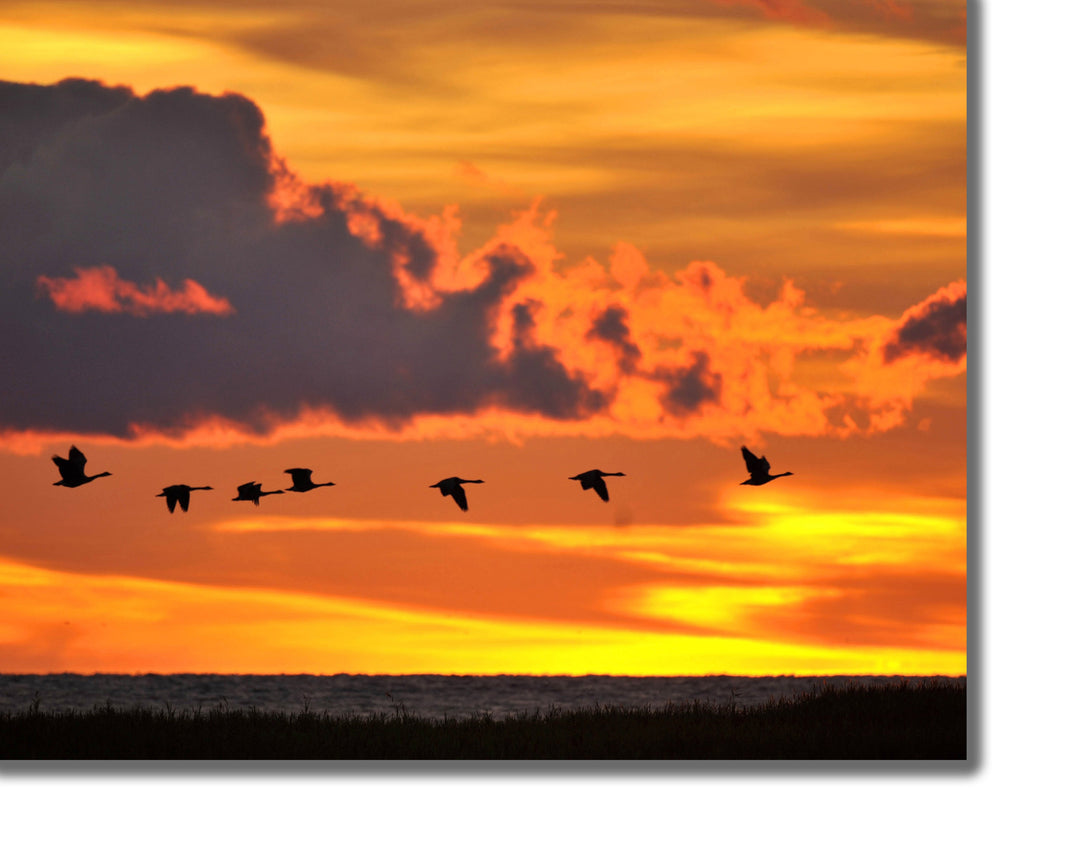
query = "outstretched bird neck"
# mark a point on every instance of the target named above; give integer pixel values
(759, 480)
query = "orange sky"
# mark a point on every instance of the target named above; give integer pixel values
(728, 223)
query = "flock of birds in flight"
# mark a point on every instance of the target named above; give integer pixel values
(73, 473)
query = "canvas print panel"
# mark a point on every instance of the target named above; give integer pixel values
(378, 352)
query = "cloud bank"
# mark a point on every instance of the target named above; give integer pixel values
(321, 298)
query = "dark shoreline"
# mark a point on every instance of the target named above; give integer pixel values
(926, 721)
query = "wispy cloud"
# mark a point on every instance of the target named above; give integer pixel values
(932, 20)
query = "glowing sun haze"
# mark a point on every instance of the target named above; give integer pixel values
(395, 243)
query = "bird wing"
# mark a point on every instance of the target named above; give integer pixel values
(459, 496)
(170, 499)
(77, 457)
(755, 465)
(601, 489)
(71, 467)
(300, 477)
(184, 497)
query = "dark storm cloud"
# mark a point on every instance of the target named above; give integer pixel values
(690, 387)
(610, 326)
(937, 327)
(173, 186)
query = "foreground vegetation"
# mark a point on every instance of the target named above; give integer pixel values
(920, 721)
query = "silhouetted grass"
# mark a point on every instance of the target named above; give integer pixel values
(902, 721)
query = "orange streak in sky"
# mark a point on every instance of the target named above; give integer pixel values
(55, 622)
(102, 290)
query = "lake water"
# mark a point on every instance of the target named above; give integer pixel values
(424, 695)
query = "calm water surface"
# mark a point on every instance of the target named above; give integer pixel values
(425, 695)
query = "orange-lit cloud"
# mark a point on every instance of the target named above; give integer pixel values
(928, 342)
(102, 290)
(400, 326)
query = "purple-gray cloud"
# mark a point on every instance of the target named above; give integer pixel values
(938, 327)
(610, 326)
(174, 186)
(690, 387)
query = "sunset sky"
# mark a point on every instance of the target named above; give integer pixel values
(396, 242)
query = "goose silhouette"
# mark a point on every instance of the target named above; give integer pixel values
(252, 492)
(301, 481)
(178, 493)
(452, 486)
(758, 467)
(73, 469)
(594, 479)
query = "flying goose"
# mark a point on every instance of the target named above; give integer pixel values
(73, 469)
(452, 486)
(301, 481)
(179, 493)
(758, 467)
(252, 491)
(594, 479)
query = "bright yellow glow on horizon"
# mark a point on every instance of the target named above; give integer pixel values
(813, 557)
(720, 608)
(141, 625)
